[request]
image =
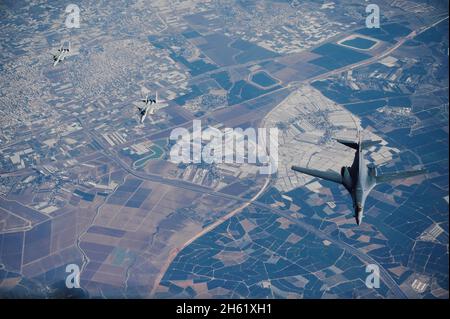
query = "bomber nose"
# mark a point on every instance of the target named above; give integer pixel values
(358, 221)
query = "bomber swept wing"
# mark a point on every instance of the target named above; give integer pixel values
(386, 178)
(328, 175)
(359, 179)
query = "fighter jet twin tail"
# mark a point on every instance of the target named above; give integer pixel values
(61, 54)
(360, 178)
(150, 107)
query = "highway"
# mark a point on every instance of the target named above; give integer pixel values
(385, 276)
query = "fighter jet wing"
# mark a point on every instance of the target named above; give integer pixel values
(160, 105)
(328, 175)
(56, 59)
(385, 178)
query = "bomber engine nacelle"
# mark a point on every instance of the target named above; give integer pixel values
(372, 170)
(346, 178)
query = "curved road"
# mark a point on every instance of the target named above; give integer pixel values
(385, 276)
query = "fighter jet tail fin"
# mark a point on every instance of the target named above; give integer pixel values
(385, 178)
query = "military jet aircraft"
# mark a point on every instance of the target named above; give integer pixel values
(150, 107)
(61, 55)
(360, 178)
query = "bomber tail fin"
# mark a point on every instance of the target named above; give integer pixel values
(347, 143)
(355, 145)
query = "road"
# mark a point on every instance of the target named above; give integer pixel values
(385, 276)
(373, 59)
(204, 231)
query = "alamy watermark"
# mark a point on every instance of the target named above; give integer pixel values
(373, 279)
(73, 278)
(226, 146)
(73, 17)
(373, 19)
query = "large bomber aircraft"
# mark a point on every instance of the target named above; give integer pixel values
(360, 178)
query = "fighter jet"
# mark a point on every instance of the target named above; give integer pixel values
(360, 178)
(150, 107)
(61, 55)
